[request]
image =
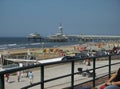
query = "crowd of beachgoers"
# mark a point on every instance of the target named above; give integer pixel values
(88, 49)
(44, 53)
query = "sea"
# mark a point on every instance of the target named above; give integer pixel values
(23, 42)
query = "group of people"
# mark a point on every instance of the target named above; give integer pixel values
(29, 75)
(19, 75)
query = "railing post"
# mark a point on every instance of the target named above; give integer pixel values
(109, 66)
(2, 82)
(42, 77)
(72, 74)
(94, 73)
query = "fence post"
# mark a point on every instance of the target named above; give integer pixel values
(109, 66)
(2, 82)
(72, 74)
(42, 77)
(94, 73)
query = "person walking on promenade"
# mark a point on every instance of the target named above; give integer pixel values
(30, 74)
(113, 82)
(18, 75)
(27, 73)
(7, 77)
(87, 62)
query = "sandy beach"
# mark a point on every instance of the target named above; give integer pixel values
(40, 53)
(46, 53)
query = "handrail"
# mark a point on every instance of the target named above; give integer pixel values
(2, 84)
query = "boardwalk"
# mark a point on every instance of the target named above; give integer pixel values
(55, 71)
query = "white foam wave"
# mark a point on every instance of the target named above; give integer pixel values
(12, 44)
(35, 44)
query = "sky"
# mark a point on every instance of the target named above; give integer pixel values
(18, 18)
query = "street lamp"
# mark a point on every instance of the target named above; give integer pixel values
(43, 47)
(1, 60)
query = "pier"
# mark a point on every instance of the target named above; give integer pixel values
(93, 38)
(61, 37)
(78, 38)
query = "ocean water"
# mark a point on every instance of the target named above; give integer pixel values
(23, 42)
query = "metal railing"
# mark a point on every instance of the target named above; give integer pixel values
(72, 74)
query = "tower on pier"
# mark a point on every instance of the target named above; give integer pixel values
(61, 29)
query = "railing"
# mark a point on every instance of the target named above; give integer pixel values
(72, 74)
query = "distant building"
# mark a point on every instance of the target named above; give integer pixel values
(34, 37)
(58, 37)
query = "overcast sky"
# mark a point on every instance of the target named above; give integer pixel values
(22, 17)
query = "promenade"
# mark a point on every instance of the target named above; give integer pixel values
(57, 70)
(52, 71)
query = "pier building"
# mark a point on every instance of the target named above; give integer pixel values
(61, 37)
(58, 37)
(34, 37)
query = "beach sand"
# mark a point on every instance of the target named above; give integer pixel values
(68, 50)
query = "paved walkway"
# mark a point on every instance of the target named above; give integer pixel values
(55, 71)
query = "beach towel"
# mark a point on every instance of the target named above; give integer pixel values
(103, 86)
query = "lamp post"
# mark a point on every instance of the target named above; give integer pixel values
(43, 47)
(1, 60)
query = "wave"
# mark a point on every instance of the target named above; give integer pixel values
(3, 48)
(12, 44)
(3, 45)
(22, 45)
(19, 46)
(35, 43)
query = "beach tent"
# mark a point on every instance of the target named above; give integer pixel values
(99, 45)
(55, 50)
(81, 48)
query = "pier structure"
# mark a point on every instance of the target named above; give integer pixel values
(93, 38)
(61, 37)
(58, 37)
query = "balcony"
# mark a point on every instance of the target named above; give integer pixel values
(62, 74)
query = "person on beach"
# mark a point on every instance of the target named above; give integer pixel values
(30, 74)
(113, 82)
